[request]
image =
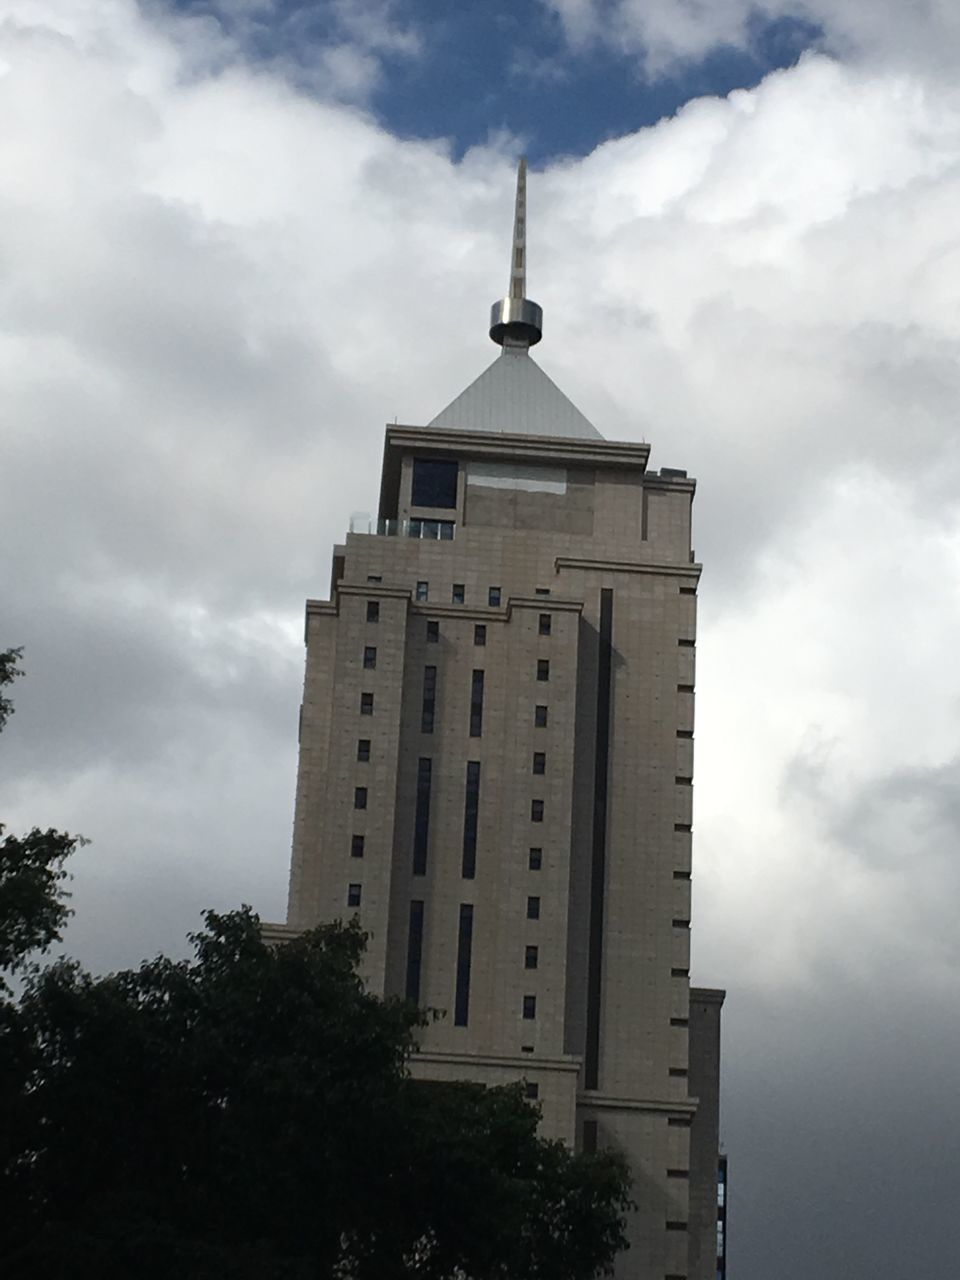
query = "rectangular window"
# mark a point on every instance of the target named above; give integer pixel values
(356, 847)
(539, 762)
(461, 1004)
(480, 634)
(536, 810)
(423, 590)
(434, 482)
(421, 824)
(533, 908)
(369, 658)
(373, 610)
(529, 1007)
(363, 750)
(531, 1089)
(476, 705)
(541, 591)
(428, 709)
(353, 895)
(471, 810)
(414, 950)
(535, 861)
(493, 597)
(540, 717)
(543, 669)
(359, 797)
(459, 593)
(366, 704)
(374, 577)
(545, 624)
(531, 957)
(433, 631)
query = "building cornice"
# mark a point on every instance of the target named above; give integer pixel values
(660, 1106)
(691, 571)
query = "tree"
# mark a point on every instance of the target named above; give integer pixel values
(33, 907)
(251, 1113)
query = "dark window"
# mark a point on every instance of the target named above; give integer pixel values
(363, 750)
(533, 908)
(458, 593)
(373, 610)
(679, 1022)
(536, 859)
(356, 847)
(685, 688)
(476, 705)
(369, 658)
(423, 590)
(471, 810)
(681, 875)
(353, 895)
(429, 699)
(679, 973)
(461, 1004)
(366, 704)
(434, 482)
(540, 717)
(679, 1122)
(541, 591)
(683, 782)
(531, 1089)
(590, 1137)
(539, 762)
(433, 632)
(678, 1073)
(529, 1007)
(545, 623)
(421, 825)
(414, 950)
(686, 644)
(480, 634)
(680, 924)
(536, 810)
(676, 1226)
(531, 957)
(374, 577)
(493, 596)
(359, 797)
(543, 669)
(684, 733)
(682, 826)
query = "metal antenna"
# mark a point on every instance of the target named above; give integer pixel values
(515, 321)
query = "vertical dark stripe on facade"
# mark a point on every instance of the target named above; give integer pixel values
(476, 705)
(591, 1073)
(471, 810)
(421, 823)
(461, 1004)
(429, 699)
(414, 950)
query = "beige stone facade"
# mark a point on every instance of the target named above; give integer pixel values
(526, 871)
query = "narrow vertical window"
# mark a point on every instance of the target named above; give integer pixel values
(363, 750)
(458, 594)
(476, 705)
(423, 590)
(539, 762)
(531, 1090)
(369, 658)
(359, 797)
(461, 1005)
(531, 957)
(373, 610)
(543, 669)
(421, 825)
(529, 1007)
(433, 631)
(540, 717)
(533, 908)
(536, 810)
(545, 623)
(353, 895)
(480, 634)
(414, 950)
(493, 597)
(366, 704)
(471, 810)
(356, 846)
(535, 861)
(429, 699)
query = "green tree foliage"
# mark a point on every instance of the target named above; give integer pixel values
(250, 1114)
(33, 908)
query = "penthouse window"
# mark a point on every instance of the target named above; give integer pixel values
(428, 709)
(434, 482)
(476, 705)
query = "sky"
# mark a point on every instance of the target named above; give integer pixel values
(227, 232)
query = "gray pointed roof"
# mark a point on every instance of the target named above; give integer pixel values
(515, 396)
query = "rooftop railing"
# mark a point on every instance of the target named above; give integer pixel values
(427, 530)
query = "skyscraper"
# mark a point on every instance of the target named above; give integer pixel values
(496, 766)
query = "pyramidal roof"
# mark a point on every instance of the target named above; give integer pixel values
(515, 396)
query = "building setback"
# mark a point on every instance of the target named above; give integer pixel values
(496, 767)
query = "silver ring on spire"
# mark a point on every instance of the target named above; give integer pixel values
(515, 321)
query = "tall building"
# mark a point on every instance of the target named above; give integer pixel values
(496, 767)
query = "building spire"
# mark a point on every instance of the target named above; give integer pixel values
(515, 321)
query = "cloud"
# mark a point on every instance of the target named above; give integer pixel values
(216, 288)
